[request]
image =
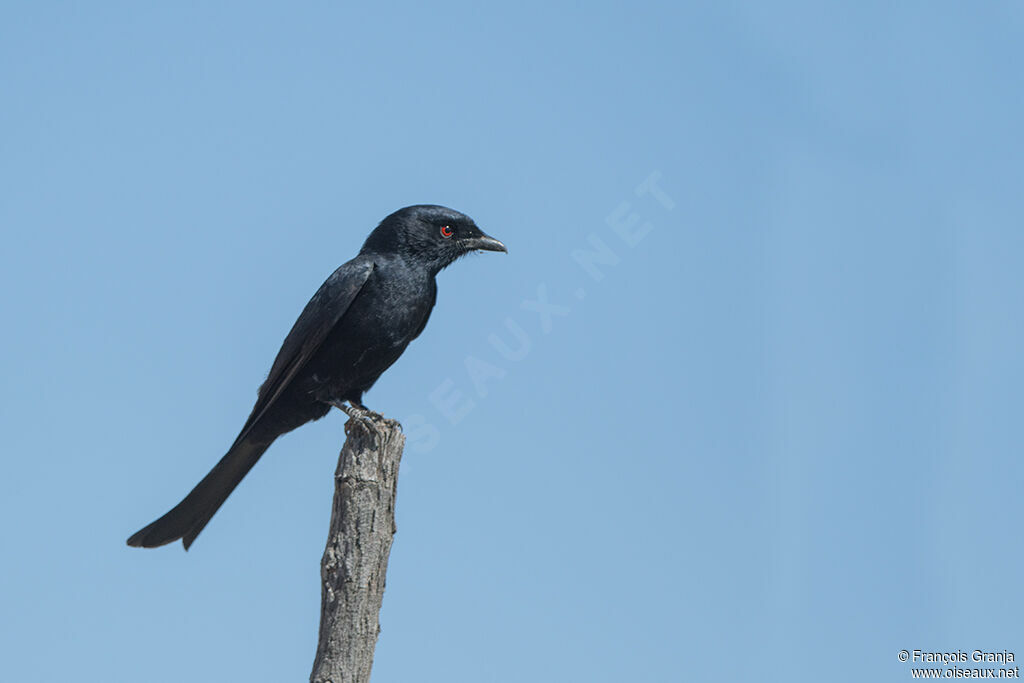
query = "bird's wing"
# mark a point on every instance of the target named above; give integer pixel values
(315, 322)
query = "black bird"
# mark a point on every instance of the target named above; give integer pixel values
(356, 325)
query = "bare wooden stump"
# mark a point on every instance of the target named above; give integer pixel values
(355, 562)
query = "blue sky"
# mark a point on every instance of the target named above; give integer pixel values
(776, 437)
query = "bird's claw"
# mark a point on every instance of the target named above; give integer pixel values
(355, 412)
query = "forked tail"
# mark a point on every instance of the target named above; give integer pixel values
(188, 517)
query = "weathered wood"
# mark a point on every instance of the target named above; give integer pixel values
(355, 562)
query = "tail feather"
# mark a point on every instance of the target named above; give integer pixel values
(191, 515)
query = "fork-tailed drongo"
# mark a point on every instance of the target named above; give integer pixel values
(356, 325)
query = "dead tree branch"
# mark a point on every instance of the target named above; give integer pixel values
(355, 562)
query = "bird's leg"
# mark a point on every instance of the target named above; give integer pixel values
(353, 409)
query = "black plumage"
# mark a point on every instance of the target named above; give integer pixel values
(356, 325)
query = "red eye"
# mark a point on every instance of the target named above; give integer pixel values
(446, 231)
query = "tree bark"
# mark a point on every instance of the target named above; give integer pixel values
(355, 562)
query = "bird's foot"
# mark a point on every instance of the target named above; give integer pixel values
(355, 411)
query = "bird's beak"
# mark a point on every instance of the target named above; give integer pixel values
(484, 243)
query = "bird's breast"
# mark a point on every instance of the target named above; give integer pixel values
(388, 313)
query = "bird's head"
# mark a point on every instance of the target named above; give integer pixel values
(431, 235)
